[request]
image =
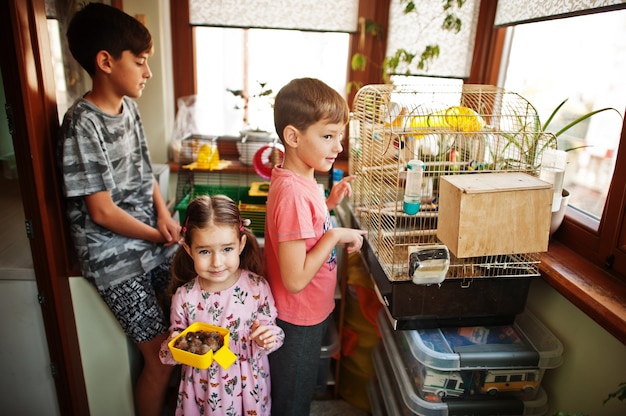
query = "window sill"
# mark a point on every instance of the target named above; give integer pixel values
(595, 292)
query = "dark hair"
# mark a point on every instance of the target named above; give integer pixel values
(305, 101)
(98, 27)
(205, 211)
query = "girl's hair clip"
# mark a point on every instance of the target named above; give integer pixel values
(244, 223)
(183, 230)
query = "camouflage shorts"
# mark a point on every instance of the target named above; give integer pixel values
(137, 303)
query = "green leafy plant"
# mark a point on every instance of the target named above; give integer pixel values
(451, 22)
(245, 97)
(619, 394)
(420, 59)
(564, 129)
(531, 140)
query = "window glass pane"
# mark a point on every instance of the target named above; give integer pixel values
(580, 59)
(62, 94)
(274, 57)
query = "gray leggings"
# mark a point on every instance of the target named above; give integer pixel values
(294, 368)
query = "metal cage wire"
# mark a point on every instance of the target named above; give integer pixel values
(239, 182)
(452, 130)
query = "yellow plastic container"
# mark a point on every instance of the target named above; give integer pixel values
(224, 356)
(208, 157)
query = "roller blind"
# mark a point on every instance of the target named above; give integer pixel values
(314, 15)
(511, 12)
(413, 32)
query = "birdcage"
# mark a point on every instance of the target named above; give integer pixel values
(446, 130)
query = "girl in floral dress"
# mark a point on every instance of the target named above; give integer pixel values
(216, 280)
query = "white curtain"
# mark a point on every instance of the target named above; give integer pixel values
(414, 31)
(317, 15)
(511, 12)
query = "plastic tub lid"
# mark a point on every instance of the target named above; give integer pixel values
(394, 375)
(525, 343)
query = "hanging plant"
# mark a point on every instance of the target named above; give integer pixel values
(419, 59)
(451, 22)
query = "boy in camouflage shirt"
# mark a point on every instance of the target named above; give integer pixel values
(120, 225)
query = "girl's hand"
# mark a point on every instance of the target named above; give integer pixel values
(262, 335)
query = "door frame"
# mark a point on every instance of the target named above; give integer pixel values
(27, 74)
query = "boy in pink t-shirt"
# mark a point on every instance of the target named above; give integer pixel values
(310, 118)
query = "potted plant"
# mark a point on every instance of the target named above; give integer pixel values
(530, 142)
(261, 98)
(252, 138)
(558, 215)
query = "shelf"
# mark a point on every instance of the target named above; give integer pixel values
(601, 296)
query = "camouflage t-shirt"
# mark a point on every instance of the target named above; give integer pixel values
(104, 152)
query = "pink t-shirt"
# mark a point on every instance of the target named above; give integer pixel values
(296, 210)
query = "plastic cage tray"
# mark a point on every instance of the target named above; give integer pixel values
(454, 302)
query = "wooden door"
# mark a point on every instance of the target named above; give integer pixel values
(33, 120)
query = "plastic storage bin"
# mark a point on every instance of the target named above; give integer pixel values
(400, 398)
(494, 365)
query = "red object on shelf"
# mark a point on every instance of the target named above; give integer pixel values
(266, 158)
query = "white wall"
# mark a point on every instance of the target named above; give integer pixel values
(26, 385)
(594, 362)
(157, 102)
(105, 353)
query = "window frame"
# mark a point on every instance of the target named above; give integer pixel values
(577, 258)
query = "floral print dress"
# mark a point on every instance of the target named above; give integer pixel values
(244, 388)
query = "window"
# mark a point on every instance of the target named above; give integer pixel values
(596, 240)
(220, 65)
(580, 58)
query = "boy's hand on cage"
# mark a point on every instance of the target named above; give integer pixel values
(262, 335)
(352, 238)
(339, 191)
